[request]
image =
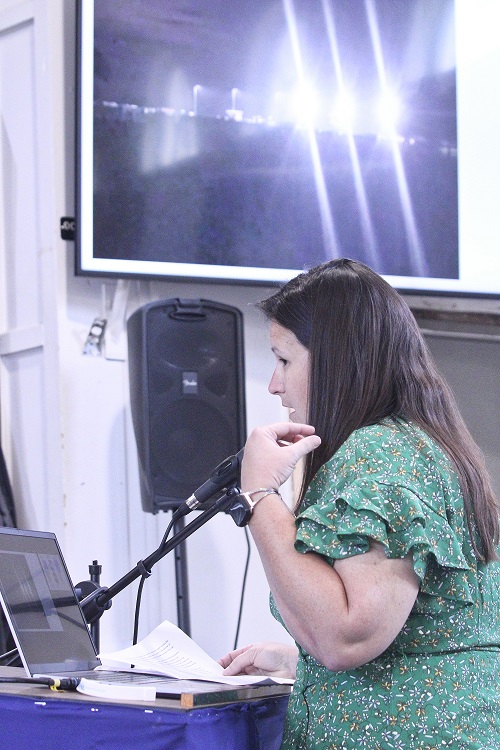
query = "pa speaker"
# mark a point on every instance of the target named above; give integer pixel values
(187, 394)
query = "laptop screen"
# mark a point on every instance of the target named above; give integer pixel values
(40, 604)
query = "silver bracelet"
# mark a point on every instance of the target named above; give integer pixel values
(249, 496)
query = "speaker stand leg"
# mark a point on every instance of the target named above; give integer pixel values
(181, 581)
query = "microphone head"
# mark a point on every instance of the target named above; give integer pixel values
(225, 476)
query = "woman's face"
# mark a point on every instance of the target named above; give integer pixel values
(290, 379)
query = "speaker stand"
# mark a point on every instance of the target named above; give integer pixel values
(181, 581)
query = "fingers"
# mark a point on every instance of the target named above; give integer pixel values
(271, 453)
(224, 661)
(228, 658)
(242, 662)
(305, 445)
(285, 435)
(288, 431)
(275, 659)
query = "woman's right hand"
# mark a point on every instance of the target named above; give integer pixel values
(272, 452)
(271, 659)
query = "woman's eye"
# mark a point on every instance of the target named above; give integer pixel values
(283, 361)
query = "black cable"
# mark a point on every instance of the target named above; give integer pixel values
(167, 532)
(143, 578)
(243, 589)
(55, 683)
(137, 609)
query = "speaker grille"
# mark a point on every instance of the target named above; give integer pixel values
(186, 436)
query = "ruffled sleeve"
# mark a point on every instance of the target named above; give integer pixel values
(385, 488)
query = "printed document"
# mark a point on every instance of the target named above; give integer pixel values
(168, 651)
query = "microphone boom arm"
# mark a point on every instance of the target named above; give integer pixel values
(99, 600)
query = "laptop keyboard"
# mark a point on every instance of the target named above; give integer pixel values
(132, 678)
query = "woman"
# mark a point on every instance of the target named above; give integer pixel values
(386, 575)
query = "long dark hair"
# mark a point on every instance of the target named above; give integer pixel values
(365, 344)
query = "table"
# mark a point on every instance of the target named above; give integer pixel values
(34, 717)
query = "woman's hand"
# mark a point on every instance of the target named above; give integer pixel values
(271, 453)
(271, 659)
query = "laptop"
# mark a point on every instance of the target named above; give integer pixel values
(45, 617)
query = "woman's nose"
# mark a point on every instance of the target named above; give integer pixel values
(275, 384)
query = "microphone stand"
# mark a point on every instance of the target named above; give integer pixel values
(99, 600)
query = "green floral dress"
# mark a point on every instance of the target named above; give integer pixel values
(438, 684)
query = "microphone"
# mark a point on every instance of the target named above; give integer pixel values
(225, 476)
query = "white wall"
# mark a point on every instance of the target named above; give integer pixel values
(103, 508)
(65, 421)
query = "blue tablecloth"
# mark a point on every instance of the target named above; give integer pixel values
(27, 723)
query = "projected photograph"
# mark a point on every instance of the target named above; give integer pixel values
(248, 141)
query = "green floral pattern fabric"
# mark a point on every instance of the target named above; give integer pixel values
(438, 685)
